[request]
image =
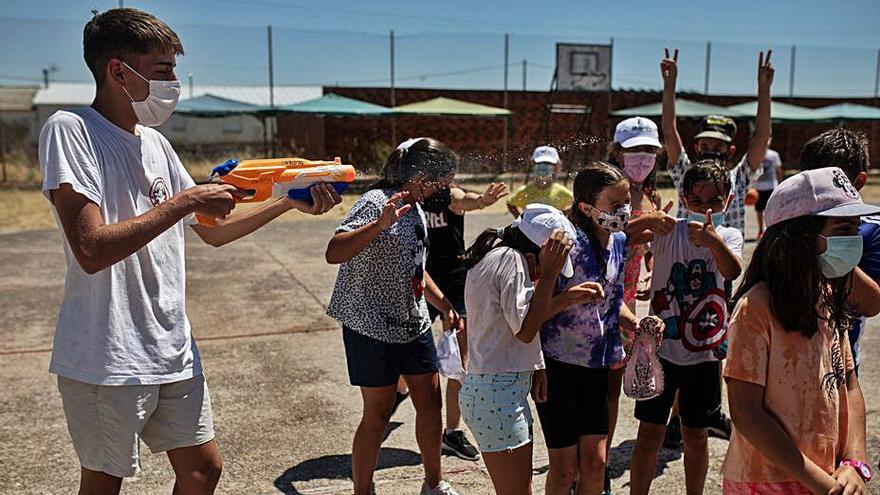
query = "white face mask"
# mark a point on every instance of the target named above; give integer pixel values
(159, 104)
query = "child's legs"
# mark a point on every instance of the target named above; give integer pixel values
(373, 366)
(511, 470)
(453, 387)
(644, 457)
(696, 458)
(699, 401)
(591, 460)
(653, 415)
(615, 383)
(425, 392)
(98, 483)
(419, 365)
(369, 435)
(197, 469)
(563, 470)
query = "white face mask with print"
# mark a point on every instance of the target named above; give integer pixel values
(159, 104)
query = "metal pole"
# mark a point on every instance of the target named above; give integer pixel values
(121, 4)
(190, 78)
(525, 70)
(791, 74)
(393, 96)
(877, 78)
(45, 77)
(708, 71)
(506, 120)
(271, 122)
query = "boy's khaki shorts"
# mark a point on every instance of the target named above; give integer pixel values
(105, 422)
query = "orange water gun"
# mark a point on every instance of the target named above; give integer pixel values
(259, 180)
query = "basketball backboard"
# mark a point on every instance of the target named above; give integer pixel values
(583, 67)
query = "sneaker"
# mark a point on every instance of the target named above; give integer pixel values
(456, 443)
(720, 426)
(442, 488)
(397, 400)
(672, 440)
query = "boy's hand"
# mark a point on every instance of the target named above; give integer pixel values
(324, 198)
(210, 200)
(702, 234)
(765, 70)
(391, 213)
(669, 67)
(662, 223)
(553, 254)
(492, 194)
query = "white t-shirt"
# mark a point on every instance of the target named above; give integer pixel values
(126, 324)
(497, 294)
(769, 165)
(688, 293)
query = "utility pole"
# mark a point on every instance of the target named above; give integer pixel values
(393, 96)
(525, 64)
(271, 120)
(708, 69)
(791, 74)
(45, 77)
(121, 4)
(190, 79)
(506, 119)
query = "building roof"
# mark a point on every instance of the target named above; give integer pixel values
(848, 111)
(61, 93)
(17, 98)
(683, 108)
(778, 111)
(209, 105)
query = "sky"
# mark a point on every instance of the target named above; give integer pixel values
(460, 43)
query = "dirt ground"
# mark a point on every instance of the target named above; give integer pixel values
(284, 412)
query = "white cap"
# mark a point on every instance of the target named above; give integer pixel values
(637, 131)
(545, 154)
(538, 222)
(825, 192)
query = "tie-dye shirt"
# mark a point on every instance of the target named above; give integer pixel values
(588, 334)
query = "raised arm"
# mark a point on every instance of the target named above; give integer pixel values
(671, 138)
(344, 246)
(97, 245)
(763, 125)
(463, 201)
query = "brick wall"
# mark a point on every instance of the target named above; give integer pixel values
(366, 141)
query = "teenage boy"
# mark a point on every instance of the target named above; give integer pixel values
(128, 368)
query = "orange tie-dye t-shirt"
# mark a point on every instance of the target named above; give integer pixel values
(804, 382)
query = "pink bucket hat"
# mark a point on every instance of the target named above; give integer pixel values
(825, 192)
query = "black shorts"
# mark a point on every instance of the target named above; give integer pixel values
(763, 196)
(577, 403)
(373, 363)
(699, 395)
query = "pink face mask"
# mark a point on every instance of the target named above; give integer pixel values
(637, 166)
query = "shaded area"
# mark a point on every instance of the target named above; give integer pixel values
(622, 454)
(338, 467)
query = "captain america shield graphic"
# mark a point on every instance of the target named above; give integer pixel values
(704, 326)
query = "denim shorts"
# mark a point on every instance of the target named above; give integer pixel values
(496, 409)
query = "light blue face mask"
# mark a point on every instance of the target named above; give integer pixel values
(717, 218)
(544, 170)
(841, 256)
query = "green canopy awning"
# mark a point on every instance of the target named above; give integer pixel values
(450, 107)
(778, 111)
(331, 104)
(209, 105)
(683, 108)
(848, 111)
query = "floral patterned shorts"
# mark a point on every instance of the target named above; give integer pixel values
(496, 409)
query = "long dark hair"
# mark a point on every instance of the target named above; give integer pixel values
(490, 239)
(588, 185)
(786, 261)
(427, 156)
